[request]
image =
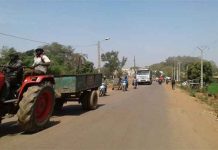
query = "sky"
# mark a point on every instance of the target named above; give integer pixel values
(150, 30)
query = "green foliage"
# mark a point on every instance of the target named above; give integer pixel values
(186, 61)
(213, 88)
(112, 63)
(5, 52)
(88, 67)
(63, 59)
(194, 71)
(157, 73)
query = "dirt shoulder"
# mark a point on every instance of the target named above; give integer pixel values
(191, 121)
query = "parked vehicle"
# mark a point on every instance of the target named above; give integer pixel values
(33, 101)
(194, 84)
(80, 88)
(102, 90)
(144, 76)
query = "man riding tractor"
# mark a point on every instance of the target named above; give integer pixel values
(13, 76)
(33, 98)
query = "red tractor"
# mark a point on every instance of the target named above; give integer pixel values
(33, 101)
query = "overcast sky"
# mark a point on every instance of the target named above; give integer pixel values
(150, 30)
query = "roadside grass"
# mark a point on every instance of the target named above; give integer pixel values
(213, 89)
(208, 95)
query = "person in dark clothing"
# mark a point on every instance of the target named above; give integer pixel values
(173, 82)
(14, 74)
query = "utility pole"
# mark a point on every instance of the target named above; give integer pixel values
(187, 72)
(134, 65)
(177, 72)
(202, 73)
(174, 70)
(99, 57)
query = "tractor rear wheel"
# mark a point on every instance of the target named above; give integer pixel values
(36, 107)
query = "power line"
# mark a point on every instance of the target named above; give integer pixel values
(22, 38)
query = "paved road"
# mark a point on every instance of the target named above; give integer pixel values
(134, 120)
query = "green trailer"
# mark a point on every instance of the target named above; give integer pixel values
(81, 88)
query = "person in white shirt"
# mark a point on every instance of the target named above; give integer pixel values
(41, 62)
(40, 65)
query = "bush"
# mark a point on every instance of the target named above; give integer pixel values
(213, 89)
(192, 92)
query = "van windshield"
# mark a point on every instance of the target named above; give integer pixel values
(142, 72)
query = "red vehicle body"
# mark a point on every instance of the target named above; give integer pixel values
(33, 102)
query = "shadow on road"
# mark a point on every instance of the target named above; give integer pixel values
(12, 128)
(104, 96)
(73, 110)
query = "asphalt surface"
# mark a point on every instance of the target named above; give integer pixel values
(139, 119)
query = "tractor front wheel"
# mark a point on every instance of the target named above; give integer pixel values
(36, 107)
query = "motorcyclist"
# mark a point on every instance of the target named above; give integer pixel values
(104, 80)
(126, 80)
(160, 79)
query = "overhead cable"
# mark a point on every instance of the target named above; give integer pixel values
(18, 37)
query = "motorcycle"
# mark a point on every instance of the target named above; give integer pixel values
(124, 85)
(102, 90)
(160, 82)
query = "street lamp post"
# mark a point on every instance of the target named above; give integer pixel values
(99, 53)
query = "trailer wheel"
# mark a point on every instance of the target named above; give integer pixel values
(93, 101)
(90, 100)
(85, 98)
(36, 108)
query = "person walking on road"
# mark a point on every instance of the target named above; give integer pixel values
(173, 84)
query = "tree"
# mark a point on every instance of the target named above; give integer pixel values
(5, 52)
(112, 62)
(63, 59)
(194, 71)
(157, 73)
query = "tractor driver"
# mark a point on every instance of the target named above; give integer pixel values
(14, 74)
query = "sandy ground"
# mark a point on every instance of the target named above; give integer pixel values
(194, 124)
